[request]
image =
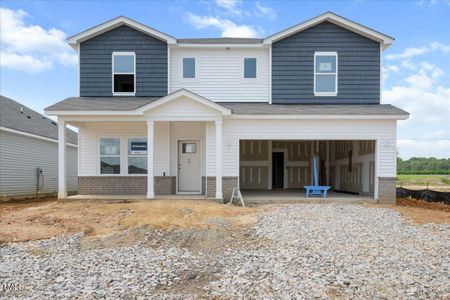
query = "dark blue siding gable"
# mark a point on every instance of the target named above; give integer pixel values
(96, 62)
(358, 66)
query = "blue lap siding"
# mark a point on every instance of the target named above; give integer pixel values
(358, 66)
(96, 62)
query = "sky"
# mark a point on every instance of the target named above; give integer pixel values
(38, 68)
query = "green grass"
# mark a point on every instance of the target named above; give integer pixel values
(422, 180)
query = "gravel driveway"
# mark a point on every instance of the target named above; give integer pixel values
(302, 251)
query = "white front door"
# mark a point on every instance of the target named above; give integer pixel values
(189, 180)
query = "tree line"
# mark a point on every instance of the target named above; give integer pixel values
(422, 165)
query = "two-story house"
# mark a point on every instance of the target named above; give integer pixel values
(159, 115)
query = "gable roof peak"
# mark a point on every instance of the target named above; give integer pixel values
(114, 23)
(336, 19)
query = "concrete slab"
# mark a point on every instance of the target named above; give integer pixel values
(298, 196)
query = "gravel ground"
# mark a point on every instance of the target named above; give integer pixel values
(295, 251)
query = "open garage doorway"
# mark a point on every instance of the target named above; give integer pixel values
(285, 167)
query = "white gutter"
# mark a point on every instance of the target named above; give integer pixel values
(6, 129)
(319, 117)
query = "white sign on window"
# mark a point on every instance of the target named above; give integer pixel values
(325, 66)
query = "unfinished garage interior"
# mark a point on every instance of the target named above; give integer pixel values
(286, 166)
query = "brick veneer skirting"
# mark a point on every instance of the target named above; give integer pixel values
(165, 185)
(124, 185)
(228, 183)
(386, 190)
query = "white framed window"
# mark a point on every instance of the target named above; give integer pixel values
(325, 74)
(250, 67)
(109, 155)
(124, 73)
(189, 67)
(137, 155)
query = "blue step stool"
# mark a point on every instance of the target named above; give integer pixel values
(316, 189)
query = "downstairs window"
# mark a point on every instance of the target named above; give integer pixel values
(137, 156)
(109, 155)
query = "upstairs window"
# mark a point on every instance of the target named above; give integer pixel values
(249, 67)
(188, 67)
(325, 74)
(124, 73)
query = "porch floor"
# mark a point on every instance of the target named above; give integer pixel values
(133, 197)
(298, 195)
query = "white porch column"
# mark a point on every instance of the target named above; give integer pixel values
(150, 147)
(219, 160)
(62, 188)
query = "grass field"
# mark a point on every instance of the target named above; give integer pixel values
(419, 181)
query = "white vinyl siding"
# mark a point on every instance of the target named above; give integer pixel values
(219, 74)
(20, 156)
(183, 107)
(384, 131)
(165, 144)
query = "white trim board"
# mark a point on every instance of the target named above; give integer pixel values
(385, 40)
(6, 129)
(188, 94)
(114, 23)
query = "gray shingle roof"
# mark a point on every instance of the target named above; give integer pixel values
(221, 41)
(14, 115)
(243, 108)
(101, 103)
(264, 108)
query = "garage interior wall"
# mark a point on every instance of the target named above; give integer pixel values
(347, 166)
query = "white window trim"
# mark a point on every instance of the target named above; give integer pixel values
(134, 155)
(113, 73)
(99, 164)
(326, 94)
(195, 68)
(243, 68)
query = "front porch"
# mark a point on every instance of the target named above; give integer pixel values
(170, 146)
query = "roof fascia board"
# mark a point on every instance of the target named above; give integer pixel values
(335, 19)
(27, 134)
(114, 23)
(193, 45)
(188, 94)
(91, 112)
(320, 117)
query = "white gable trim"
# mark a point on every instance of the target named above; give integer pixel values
(385, 40)
(114, 23)
(180, 93)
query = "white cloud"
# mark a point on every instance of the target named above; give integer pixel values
(409, 53)
(31, 48)
(228, 27)
(231, 7)
(427, 131)
(264, 11)
(423, 148)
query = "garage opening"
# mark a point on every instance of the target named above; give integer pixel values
(286, 166)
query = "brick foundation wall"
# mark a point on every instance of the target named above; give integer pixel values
(386, 190)
(165, 185)
(228, 183)
(112, 185)
(124, 185)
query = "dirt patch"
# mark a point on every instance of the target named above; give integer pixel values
(420, 212)
(32, 221)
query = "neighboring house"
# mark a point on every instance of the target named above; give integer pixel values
(28, 143)
(159, 115)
